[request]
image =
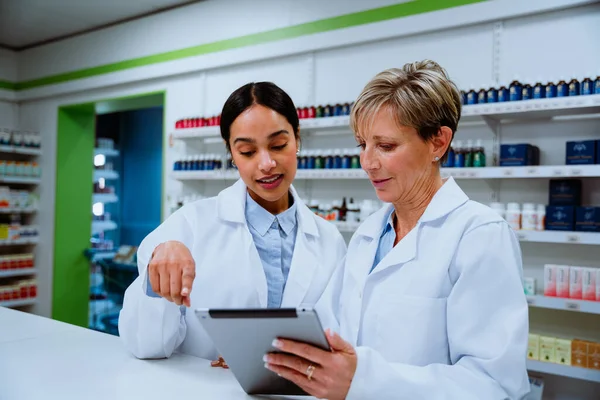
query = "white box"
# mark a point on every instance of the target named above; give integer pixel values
(529, 286)
(575, 285)
(550, 280)
(562, 281)
(588, 284)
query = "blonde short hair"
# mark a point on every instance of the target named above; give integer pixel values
(420, 95)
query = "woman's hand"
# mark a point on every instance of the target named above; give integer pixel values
(172, 271)
(320, 373)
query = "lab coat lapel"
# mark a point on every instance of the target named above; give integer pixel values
(231, 204)
(305, 263)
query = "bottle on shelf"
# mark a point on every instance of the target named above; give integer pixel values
(541, 217)
(482, 95)
(492, 94)
(319, 161)
(479, 154)
(551, 90)
(526, 91)
(471, 97)
(355, 161)
(538, 90)
(468, 151)
(343, 209)
(449, 163)
(515, 89)
(337, 158)
(529, 217)
(574, 87)
(503, 94)
(459, 155)
(597, 84)
(513, 215)
(562, 88)
(587, 85)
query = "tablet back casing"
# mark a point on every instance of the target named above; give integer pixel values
(243, 337)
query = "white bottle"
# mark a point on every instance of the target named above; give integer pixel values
(529, 217)
(513, 215)
(541, 217)
(499, 208)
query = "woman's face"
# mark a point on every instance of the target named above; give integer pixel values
(263, 148)
(398, 162)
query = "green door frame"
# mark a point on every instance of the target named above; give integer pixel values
(76, 133)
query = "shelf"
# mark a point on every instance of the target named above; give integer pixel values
(20, 150)
(331, 174)
(542, 171)
(101, 226)
(585, 374)
(105, 174)
(205, 175)
(592, 238)
(105, 198)
(20, 179)
(17, 303)
(197, 133)
(557, 303)
(513, 110)
(17, 210)
(106, 152)
(533, 109)
(17, 272)
(19, 242)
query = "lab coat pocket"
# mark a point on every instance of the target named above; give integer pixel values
(412, 330)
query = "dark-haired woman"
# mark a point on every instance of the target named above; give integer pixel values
(254, 245)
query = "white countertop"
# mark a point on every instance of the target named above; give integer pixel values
(45, 359)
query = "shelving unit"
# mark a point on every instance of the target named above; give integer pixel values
(557, 303)
(585, 374)
(17, 272)
(105, 198)
(18, 302)
(103, 226)
(26, 210)
(108, 175)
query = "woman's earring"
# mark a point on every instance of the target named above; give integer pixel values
(233, 162)
(436, 158)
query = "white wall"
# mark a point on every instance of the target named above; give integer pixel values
(336, 74)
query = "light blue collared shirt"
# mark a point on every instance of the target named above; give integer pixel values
(274, 237)
(386, 240)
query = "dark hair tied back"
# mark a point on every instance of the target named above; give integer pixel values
(266, 94)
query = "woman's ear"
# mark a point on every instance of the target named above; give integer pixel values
(441, 141)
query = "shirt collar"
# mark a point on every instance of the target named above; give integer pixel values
(388, 222)
(261, 220)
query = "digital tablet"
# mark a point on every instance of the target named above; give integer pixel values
(243, 336)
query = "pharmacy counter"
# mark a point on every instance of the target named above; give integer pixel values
(45, 359)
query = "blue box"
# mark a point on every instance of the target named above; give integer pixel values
(560, 218)
(587, 219)
(516, 155)
(565, 192)
(581, 152)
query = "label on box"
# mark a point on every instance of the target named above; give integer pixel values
(575, 285)
(582, 152)
(579, 351)
(533, 347)
(550, 280)
(594, 355)
(588, 284)
(547, 349)
(563, 351)
(562, 281)
(560, 218)
(587, 219)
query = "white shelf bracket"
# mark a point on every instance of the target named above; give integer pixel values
(497, 51)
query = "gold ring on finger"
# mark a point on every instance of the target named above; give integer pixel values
(309, 371)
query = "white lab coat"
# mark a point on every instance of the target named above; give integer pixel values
(443, 315)
(229, 273)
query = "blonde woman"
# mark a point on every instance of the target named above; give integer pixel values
(430, 303)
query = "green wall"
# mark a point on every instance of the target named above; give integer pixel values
(73, 213)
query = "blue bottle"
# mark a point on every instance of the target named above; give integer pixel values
(492, 95)
(526, 92)
(463, 97)
(471, 97)
(597, 85)
(503, 94)
(550, 90)
(539, 91)
(515, 90)
(310, 160)
(587, 87)
(201, 164)
(449, 163)
(177, 165)
(482, 96)
(337, 159)
(459, 156)
(562, 89)
(346, 160)
(574, 87)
